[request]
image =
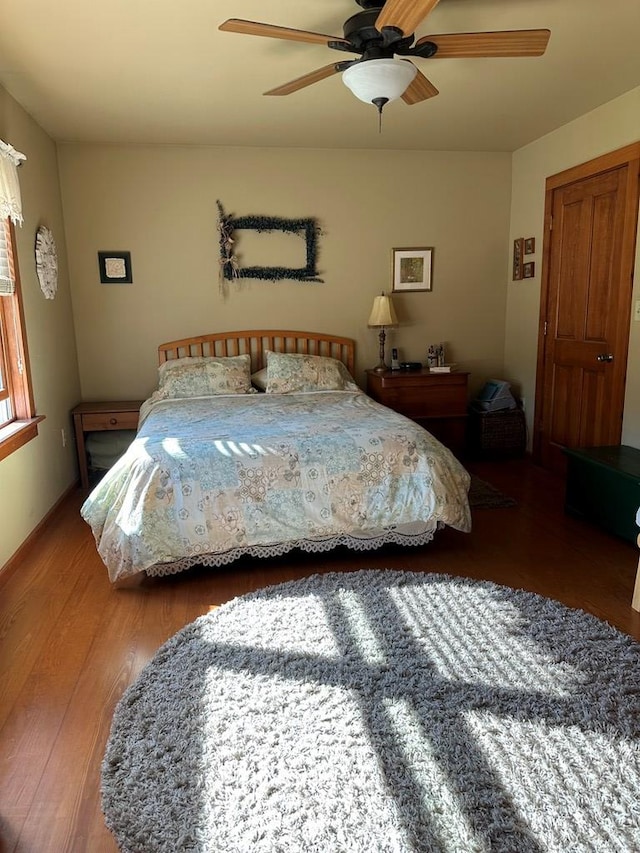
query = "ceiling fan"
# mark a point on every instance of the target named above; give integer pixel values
(382, 31)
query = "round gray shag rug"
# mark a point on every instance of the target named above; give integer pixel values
(381, 711)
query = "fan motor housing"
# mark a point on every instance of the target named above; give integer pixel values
(360, 30)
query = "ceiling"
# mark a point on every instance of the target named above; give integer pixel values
(159, 71)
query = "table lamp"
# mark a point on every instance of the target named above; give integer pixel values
(382, 316)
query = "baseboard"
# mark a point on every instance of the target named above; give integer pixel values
(9, 567)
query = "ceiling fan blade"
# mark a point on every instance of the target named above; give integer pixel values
(419, 90)
(507, 43)
(305, 80)
(405, 15)
(253, 28)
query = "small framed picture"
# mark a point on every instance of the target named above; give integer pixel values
(518, 252)
(412, 269)
(529, 245)
(115, 267)
(529, 269)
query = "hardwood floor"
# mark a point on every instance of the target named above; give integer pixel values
(70, 643)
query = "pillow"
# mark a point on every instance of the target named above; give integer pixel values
(291, 373)
(197, 376)
(259, 379)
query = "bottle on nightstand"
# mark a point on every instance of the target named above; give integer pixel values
(395, 363)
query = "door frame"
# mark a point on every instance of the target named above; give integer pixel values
(627, 155)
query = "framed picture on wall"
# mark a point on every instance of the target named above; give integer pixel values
(518, 252)
(115, 267)
(412, 269)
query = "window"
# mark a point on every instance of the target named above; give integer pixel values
(7, 289)
(18, 423)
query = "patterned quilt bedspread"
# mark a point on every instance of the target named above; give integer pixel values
(208, 474)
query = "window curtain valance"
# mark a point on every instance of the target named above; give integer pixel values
(10, 200)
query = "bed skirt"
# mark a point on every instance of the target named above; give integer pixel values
(416, 533)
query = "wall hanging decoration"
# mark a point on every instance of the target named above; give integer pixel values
(529, 245)
(518, 252)
(529, 269)
(230, 265)
(46, 262)
(412, 269)
(115, 267)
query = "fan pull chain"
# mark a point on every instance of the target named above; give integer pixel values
(379, 103)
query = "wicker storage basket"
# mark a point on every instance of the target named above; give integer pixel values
(497, 433)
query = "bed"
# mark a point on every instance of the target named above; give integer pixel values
(258, 442)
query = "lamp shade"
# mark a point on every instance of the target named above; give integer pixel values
(383, 313)
(379, 79)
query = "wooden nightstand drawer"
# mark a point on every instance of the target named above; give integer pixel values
(110, 420)
(432, 402)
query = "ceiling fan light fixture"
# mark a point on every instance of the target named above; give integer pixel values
(379, 79)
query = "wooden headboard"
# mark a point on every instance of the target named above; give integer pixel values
(257, 342)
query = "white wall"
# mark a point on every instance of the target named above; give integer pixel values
(611, 126)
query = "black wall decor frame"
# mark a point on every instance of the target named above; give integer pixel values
(121, 261)
(307, 228)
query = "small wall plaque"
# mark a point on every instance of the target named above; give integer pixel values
(115, 267)
(518, 252)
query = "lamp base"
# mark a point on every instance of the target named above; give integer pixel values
(381, 366)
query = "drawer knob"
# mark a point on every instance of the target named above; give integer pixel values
(113, 421)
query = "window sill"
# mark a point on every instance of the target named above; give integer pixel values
(18, 433)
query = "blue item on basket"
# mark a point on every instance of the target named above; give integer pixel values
(494, 397)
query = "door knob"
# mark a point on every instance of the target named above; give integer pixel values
(605, 356)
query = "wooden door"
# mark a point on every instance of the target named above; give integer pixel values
(591, 219)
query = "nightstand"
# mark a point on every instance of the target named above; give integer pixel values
(437, 401)
(97, 417)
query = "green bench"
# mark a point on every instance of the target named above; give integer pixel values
(603, 485)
